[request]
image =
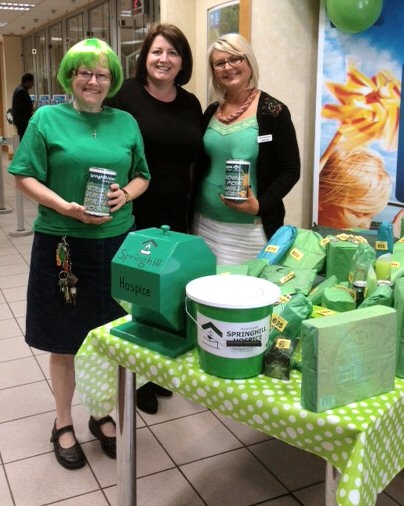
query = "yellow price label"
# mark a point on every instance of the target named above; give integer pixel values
(272, 248)
(296, 254)
(283, 344)
(325, 312)
(278, 322)
(381, 245)
(286, 278)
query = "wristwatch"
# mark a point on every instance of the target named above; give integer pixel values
(127, 196)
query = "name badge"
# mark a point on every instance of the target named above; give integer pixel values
(264, 138)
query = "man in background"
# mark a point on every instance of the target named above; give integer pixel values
(22, 106)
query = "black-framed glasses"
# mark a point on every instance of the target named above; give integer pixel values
(86, 75)
(233, 61)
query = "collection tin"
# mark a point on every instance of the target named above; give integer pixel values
(98, 185)
(236, 179)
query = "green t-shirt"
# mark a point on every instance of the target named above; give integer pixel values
(237, 141)
(58, 149)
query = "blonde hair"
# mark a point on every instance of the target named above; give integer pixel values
(234, 44)
(355, 180)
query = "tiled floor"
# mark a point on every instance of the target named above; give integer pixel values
(187, 455)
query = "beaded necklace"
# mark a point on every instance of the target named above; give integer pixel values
(239, 112)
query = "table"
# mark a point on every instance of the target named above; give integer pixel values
(363, 441)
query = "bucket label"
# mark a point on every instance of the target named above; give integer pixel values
(232, 340)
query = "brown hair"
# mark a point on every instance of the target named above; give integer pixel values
(175, 36)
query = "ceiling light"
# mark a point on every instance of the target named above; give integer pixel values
(14, 6)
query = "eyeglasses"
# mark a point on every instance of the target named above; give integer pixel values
(86, 75)
(233, 61)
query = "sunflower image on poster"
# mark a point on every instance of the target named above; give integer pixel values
(360, 166)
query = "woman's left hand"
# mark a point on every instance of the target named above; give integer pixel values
(116, 197)
(249, 206)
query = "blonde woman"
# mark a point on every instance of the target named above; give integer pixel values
(244, 123)
(354, 187)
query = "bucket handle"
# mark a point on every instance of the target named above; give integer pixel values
(193, 319)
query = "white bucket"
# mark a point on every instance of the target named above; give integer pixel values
(232, 314)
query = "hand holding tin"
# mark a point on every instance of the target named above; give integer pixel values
(248, 206)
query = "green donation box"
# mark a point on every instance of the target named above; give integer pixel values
(149, 274)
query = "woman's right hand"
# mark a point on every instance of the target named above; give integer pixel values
(77, 212)
(43, 195)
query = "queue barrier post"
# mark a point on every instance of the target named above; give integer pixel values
(3, 208)
(21, 230)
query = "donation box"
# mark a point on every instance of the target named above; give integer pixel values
(150, 272)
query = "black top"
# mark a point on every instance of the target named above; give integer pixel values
(172, 137)
(278, 163)
(22, 108)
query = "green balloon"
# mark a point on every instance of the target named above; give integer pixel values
(353, 16)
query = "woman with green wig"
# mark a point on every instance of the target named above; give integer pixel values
(73, 246)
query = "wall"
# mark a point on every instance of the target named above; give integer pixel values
(284, 37)
(10, 61)
(182, 14)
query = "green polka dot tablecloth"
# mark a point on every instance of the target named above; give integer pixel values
(363, 440)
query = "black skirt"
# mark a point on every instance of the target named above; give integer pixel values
(54, 325)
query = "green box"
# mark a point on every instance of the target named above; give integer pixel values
(348, 357)
(149, 272)
(339, 257)
(399, 307)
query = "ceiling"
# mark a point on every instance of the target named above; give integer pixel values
(44, 12)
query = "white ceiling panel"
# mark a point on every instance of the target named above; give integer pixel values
(44, 12)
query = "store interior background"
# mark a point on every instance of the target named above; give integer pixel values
(284, 37)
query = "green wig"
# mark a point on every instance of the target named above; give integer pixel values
(90, 53)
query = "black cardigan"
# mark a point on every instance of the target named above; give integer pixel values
(278, 163)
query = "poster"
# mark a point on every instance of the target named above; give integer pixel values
(359, 149)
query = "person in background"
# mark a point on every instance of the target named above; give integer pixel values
(169, 118)
(51, 166)
(353, 187)
(244, 123)
(22, 107)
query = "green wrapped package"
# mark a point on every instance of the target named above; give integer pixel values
(397, 260)
(339, 298)
(278, 361)
(307, 251)
(339, 259)
(289, 280)
(316, 293)
(363, 258)
(383, 296)
(255, 266)
(399, 307)
(348, 357)
(287, 318)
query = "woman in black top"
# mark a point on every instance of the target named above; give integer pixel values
(170, 122)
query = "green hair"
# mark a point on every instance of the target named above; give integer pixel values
(90, 53)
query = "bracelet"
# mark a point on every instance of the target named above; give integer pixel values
(127, 196)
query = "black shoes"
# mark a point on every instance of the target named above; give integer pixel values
(108, 443)
(70, 458)
(146, 399)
